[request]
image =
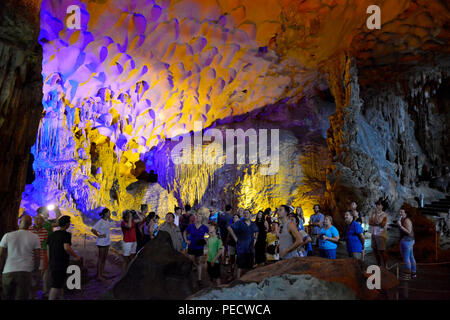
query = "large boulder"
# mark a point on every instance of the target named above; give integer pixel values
(157, 273)
(304, 278)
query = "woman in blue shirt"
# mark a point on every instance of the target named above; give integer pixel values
(329, 238)
(196, 243)
(355, 237)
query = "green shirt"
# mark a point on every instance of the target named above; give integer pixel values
(47, 225)
(214, 245)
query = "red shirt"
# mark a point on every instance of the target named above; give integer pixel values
(129, 235)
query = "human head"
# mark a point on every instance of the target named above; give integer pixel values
(247, 215)
(283, 211)
(43, 211)
(126, 215)
(156, 218)
(105, 214)
(150, 216)
(227, 208)
(39, 221)
(236, 218)
(267, 212)
(328, 221)
(144, 208)
(299, 211)
(260, 215)
(381, 205)
(198, 218)
(177, 211)
(316, 208)
(212, 229)
(353, 205)
(240, 212)
(64, 222)
(170, 218)
(348, 217)
(187, 208)
(294, 218)
(25, 221)
(274, 226)
(404, 213)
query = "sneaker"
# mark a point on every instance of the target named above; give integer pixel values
(413, 275)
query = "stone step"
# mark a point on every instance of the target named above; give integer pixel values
(437, 207)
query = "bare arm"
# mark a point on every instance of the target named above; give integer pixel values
(296, 235)
(97, 233)
(3, 253)
(408, 227)
(361, 238)
(70, 251)
(230, 230)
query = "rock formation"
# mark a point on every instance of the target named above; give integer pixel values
(157, 273)
(20, 101)
(304, 279)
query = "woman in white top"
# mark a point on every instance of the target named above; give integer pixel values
(102, 230)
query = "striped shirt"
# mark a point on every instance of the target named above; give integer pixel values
(43, 235)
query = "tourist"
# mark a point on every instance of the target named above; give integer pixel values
(329, 238)
(355, 237)
(154, 227)
(244, 232)
(355, 213)
(301, 217)
(129, 244)
(260, 246)
(21, 250)
(316, 222)
(102, 230)
(240, 212)
(177, 216)
(378, 223)
(268, 215)
(186, 219)
(42, 233)
(224, 221)
(407, 243)
(59, 251)
(139, 225)
(306, 239)
(148, 226)
(289, 237)
(215, 250)
(196, 243)
(232, 247)
(272, 243)
(174, 231)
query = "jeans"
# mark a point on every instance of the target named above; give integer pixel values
(406, 249)
(329, 254)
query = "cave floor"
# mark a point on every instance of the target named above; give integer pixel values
(432, 282)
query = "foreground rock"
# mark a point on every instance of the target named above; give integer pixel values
(157, 273)
(304, 279)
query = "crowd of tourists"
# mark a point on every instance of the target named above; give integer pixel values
(235, 238)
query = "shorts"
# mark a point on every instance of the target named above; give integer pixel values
(213, 270)
(245, 260)
(16, 285)
(128, 248)
(328, 254)
(58, 278)
(378, 243)
(195, 252)
(292, 254)
(356, 255)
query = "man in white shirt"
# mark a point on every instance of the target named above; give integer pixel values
(177, 215)
(21, 250)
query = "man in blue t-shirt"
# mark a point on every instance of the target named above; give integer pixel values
(316, 222)
(245, 234)
(355, 237)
